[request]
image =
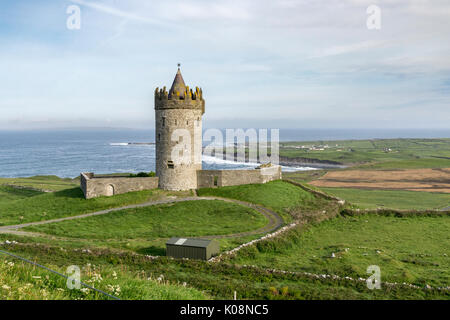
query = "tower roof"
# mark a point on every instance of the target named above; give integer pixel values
(178, 84)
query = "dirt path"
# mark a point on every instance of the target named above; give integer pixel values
(275, 221)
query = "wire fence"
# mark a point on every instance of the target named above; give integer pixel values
(57, 273)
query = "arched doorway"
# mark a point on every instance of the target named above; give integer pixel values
(109, 190)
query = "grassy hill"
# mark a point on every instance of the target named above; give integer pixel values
(412, 250)
(116, 245)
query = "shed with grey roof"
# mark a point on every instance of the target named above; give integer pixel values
(201, 249)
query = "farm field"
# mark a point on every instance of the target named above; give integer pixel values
(394, 199)
(393, 173)
(430, 180)
(375, 153)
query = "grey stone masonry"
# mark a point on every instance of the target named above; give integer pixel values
(178, 124)
(93, 186)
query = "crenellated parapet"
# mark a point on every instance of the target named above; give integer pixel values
(187, 94)
(187, 99)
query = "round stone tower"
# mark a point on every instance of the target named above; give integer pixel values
(178, 130)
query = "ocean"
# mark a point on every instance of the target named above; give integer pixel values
(66, 153)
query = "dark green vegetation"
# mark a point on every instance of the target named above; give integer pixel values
(219, 281)
(10, 193)
(146, 229)
(42, 183)
(286, 199)
(21, 281)
(183, 219)
(413, 250)
(410, 249)
(143, 174)
(395, 199)
(69, 202)
(377, 153)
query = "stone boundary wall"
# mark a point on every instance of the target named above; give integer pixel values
(222, 178)
(93, 186)
(316, 192)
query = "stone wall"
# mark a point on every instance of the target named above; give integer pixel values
(93, 186)
(174, 171)
(222, 178)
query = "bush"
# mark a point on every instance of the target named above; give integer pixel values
(143, 174)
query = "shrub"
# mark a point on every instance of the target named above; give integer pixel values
(143, 174)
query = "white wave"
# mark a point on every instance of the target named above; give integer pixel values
(215, 160)
(119, 144)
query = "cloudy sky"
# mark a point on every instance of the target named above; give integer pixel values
(278, 63)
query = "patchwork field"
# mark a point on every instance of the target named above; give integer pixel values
(391, 173)
(430, 180)
(375, 153)
(394, 199)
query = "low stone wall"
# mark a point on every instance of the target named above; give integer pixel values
(93, 186)
(222, 178)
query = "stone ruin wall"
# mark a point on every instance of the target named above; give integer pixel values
(93, 186)
(206, 178)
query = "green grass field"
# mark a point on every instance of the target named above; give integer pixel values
(413, 250)
(218, 281)
(146, 230)
(286, 199)
(69, 202)
(20, 281)
(405, 153)
(45, 183)
(183, 219)
(410, 249)
(8, 193)
(394, 199)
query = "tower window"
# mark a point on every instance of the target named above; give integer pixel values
(159, 136)
(175, 121)
(164, 121)
(170, 164)
(187, 122)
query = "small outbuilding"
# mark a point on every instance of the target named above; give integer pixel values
(201, 249)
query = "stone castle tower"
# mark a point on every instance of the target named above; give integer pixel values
(178, 130)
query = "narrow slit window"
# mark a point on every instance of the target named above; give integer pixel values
(164, 121)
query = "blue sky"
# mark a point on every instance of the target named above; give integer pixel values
(279, 64)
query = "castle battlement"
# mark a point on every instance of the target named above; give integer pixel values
(187, 94)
